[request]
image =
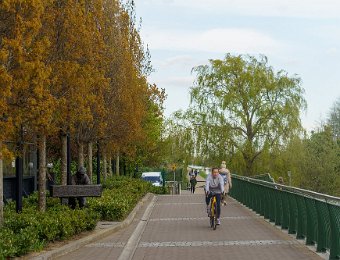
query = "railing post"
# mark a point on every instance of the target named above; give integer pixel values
(292, 213)
(334, 213)
(312, 221)
(323, 226)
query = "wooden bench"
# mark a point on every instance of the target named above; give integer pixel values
(74, 191)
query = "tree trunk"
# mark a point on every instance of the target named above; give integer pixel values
(81, 155)
(110, 166)
(64, 160)
(117, 164)
(42, 173)
(90, 167)
(1, 189)
(104, 166)
(249, 167)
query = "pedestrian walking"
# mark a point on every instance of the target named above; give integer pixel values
(224, 171)
(193, 183)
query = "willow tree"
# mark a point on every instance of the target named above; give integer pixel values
(244, 104)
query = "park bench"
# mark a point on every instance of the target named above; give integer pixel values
(69, 191)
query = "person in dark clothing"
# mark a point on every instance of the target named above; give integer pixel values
(193, 183)
(80, 178)
(196, 172)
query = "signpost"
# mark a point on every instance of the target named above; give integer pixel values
(290, 178)
(173, 167)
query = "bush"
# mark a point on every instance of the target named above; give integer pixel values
(29, 231)
(32, 230)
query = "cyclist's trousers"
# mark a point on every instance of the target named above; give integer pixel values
(218, 202)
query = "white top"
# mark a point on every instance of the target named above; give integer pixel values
(215, 185)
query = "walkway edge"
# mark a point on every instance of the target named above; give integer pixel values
(74, 245)
(131, 245)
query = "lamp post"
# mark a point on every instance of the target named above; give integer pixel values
(19, 171)
(98, 163)
(68, 163)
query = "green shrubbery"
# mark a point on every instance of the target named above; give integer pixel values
(120, 196)
(32, 230)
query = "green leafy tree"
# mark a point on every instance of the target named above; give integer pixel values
(334, 118)
(321, 167)
(243, 105)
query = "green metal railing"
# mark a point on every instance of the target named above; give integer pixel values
(309, 215)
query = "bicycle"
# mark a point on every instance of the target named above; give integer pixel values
(213, 211)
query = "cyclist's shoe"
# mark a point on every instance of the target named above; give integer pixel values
(218, 222)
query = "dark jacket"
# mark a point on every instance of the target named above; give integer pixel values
(193, 181)
(80, 179)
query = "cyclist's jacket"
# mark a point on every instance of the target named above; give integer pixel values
(215, 185)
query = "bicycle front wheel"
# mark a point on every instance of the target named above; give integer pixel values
(212, 222)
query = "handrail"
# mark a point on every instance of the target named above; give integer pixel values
(308, 214)
(313, 194)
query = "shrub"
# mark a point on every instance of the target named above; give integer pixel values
(32, 230)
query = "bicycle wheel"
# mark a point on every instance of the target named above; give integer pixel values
(215, 217)
(212, 215)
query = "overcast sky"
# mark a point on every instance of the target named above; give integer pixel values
(301, 37)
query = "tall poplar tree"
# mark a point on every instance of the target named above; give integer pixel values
(30, 105)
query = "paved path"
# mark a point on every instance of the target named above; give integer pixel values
(178, 228)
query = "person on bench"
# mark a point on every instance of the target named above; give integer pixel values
(80, 178)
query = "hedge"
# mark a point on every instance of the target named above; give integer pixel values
(32, 230)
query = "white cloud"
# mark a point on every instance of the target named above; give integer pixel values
(175, 82)
(218, 40)
(183, 60)
(287, 8)
(333, 51)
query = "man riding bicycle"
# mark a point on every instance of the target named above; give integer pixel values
(214, 185)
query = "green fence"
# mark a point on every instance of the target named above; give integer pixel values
(309, 215)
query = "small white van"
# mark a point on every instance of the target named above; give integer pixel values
(154, 177)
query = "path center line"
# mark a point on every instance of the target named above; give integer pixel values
(217, 243)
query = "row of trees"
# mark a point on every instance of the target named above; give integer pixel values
(244, 112)
(78, 68)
